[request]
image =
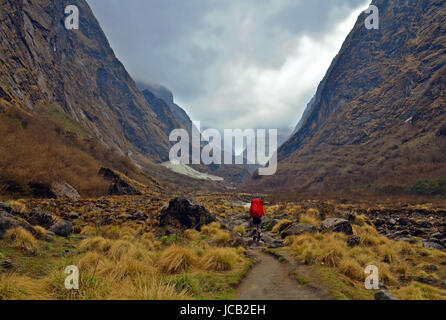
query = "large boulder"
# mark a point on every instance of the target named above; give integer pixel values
(62, 228)
(9, 222)
(297, 229)
(118, 186)
(433, 245)
(337, 225)
(5, 207)
(62, 190)
(384, 295)
(182, 214)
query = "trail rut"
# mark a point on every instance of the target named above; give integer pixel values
(272, 280)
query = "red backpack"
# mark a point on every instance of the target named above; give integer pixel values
(257, 210)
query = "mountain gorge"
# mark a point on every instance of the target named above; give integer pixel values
(379, 115)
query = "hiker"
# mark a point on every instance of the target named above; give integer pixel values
(256, 212)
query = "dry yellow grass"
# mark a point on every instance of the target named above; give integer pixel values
(219, 259)
(310, 219)
(280, 224)
(22, 239)
(240, 229)
(176, 259)
(98, 244)
(40, 232)
(19, 287)
(18, 206)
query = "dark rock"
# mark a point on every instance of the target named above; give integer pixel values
(297, 229)
(182, 214)
(384, 295)
(62, 190)
(378, 222)
(118, 187)
(62, 228)
(354, 241)
(5, 207)
(7, 223)
(138, 215)
(42, 219)
(437, 236)
(433, 245)
(431, 268)
(426, 280)
(284, 226)
(337, 225)
(7, 264)
(74, 215)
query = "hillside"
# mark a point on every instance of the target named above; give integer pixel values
(378, 118)
(76, 71)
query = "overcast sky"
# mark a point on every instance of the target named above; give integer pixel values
(231, 63)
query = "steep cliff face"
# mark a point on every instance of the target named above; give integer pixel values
(166, 95)
(378, 113)
(76, 71)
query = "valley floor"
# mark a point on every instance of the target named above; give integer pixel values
(123, 253)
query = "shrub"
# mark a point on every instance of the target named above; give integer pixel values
(176, 259)
(22, 239)
(219, 259)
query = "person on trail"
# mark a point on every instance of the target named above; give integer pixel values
(256, 212)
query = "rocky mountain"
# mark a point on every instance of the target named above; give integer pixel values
(379, 115)
(76, 72)
(166, 95)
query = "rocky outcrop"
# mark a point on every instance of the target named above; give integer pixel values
(62, 228)
(384, 295)
(7, 221)
(62, 190)
(182, 214)
(297, 229)
(77, 72)
(337, 225)
(118, 187)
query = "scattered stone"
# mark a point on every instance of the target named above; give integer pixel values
(138, 215)
(426, 280)
(62, 228)
(437, 236)
(354, 241)
(62, 190)
(337, 225)
(119, 187)
(5, 207)
(433, 245)
(384, 295)
(74, 215)
(431, 268)
(182, 214)
(7, 264)
(297, 229)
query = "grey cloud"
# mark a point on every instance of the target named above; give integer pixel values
(226, 60)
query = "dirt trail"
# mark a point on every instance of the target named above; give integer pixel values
(271, 280)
